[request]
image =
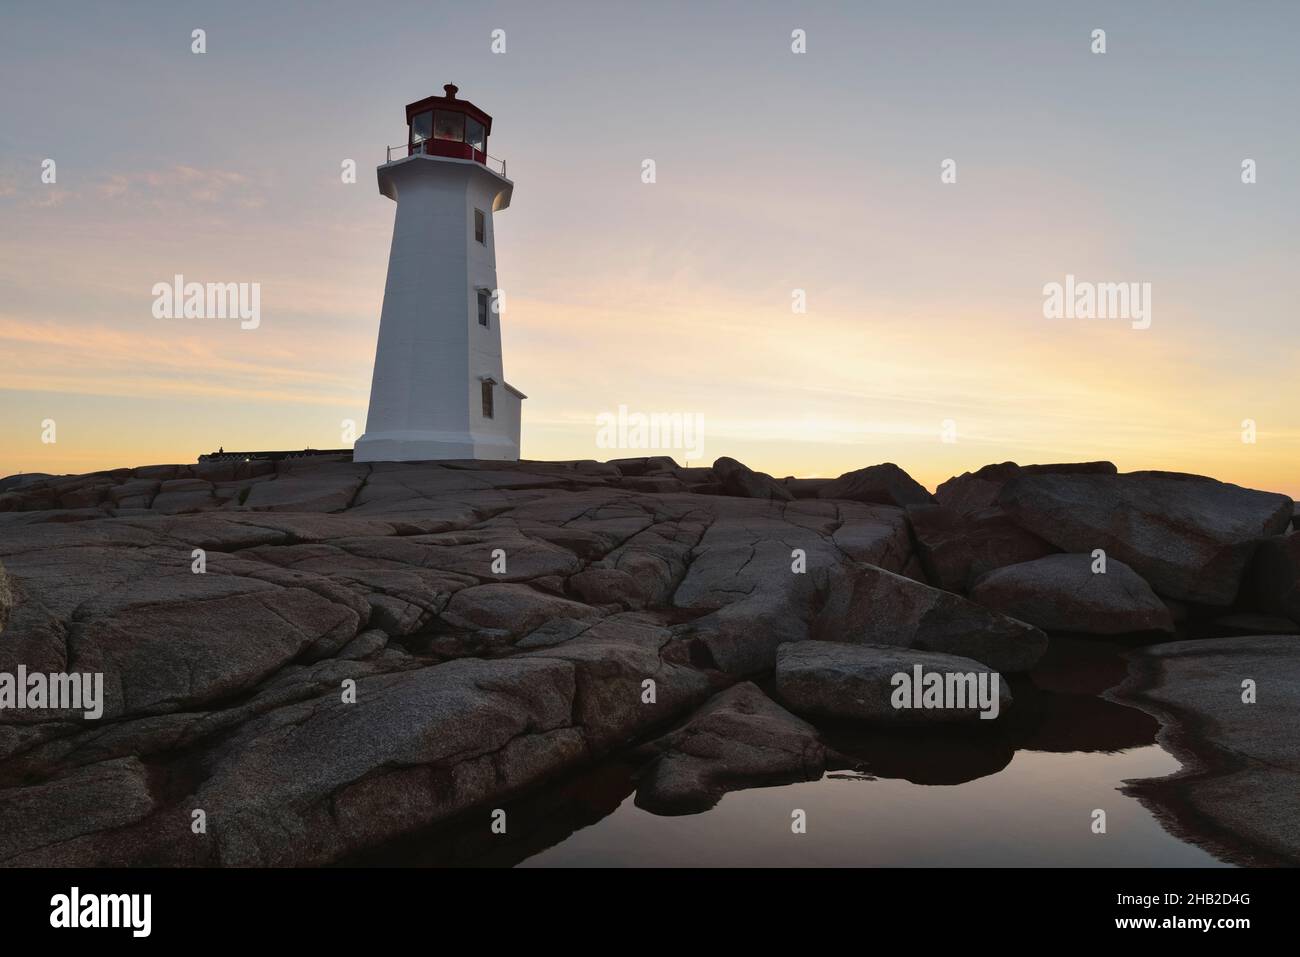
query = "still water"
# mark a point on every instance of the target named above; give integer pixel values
(1020, 794)
(1035, 812)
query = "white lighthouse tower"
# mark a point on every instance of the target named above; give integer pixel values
(438, 390)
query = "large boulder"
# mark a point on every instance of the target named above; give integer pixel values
(862, 683)
(972, 491)
(1191, 537)
(741, 481)
(741, 583)
(872, 606)
(955, 548)
(1062, 593)
(740, 739)
(884, 484)
(1273, 583)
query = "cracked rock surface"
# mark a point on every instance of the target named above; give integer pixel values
(323, 656)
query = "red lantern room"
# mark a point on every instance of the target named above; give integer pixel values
(446, 126)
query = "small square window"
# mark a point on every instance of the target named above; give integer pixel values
(484, 299)
(487, 400)
(480, 227)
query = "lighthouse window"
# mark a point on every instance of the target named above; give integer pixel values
(421, 127)
(480, 227)
(474, 134)
(483, 298)
(487, 400)
(448, 126)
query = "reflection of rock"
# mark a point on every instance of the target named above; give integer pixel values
(1081, 665)
(856, 682)
(1067, 723)
(877, 607)
(1063, 593)
(942, 755)
(1239, 791)
(1187, 535)
(741, 738)
(535, 821)
(954, 754)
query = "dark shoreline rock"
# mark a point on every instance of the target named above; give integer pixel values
(740, 739)
(873, 606)
(1189, 536)
(1062, 593)
(855, 682)
(1238, 793)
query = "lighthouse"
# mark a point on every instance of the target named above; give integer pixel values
(439, 389)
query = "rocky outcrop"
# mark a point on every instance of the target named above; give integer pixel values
(740, 739)
(1063, 593)
(758, 576)
(325, 657)
(742, 481)
(973, 491)
(859, 683)
(1237, 793)
(872, 606)
(956, 548)
(1190, 537)
(885, 484)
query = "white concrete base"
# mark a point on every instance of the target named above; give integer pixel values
(430, 446)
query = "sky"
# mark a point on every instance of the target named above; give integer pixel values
(924, 340)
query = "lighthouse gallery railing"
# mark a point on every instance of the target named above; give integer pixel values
(494, 163)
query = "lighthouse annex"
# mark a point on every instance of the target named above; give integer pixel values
(438, 389)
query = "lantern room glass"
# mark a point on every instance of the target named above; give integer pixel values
(448, 126)
(421, 127)
(474, 134)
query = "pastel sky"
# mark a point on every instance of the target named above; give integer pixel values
(776, 171)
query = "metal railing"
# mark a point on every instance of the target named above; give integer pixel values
(494, 163)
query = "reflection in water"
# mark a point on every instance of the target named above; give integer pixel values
(1018, 791)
